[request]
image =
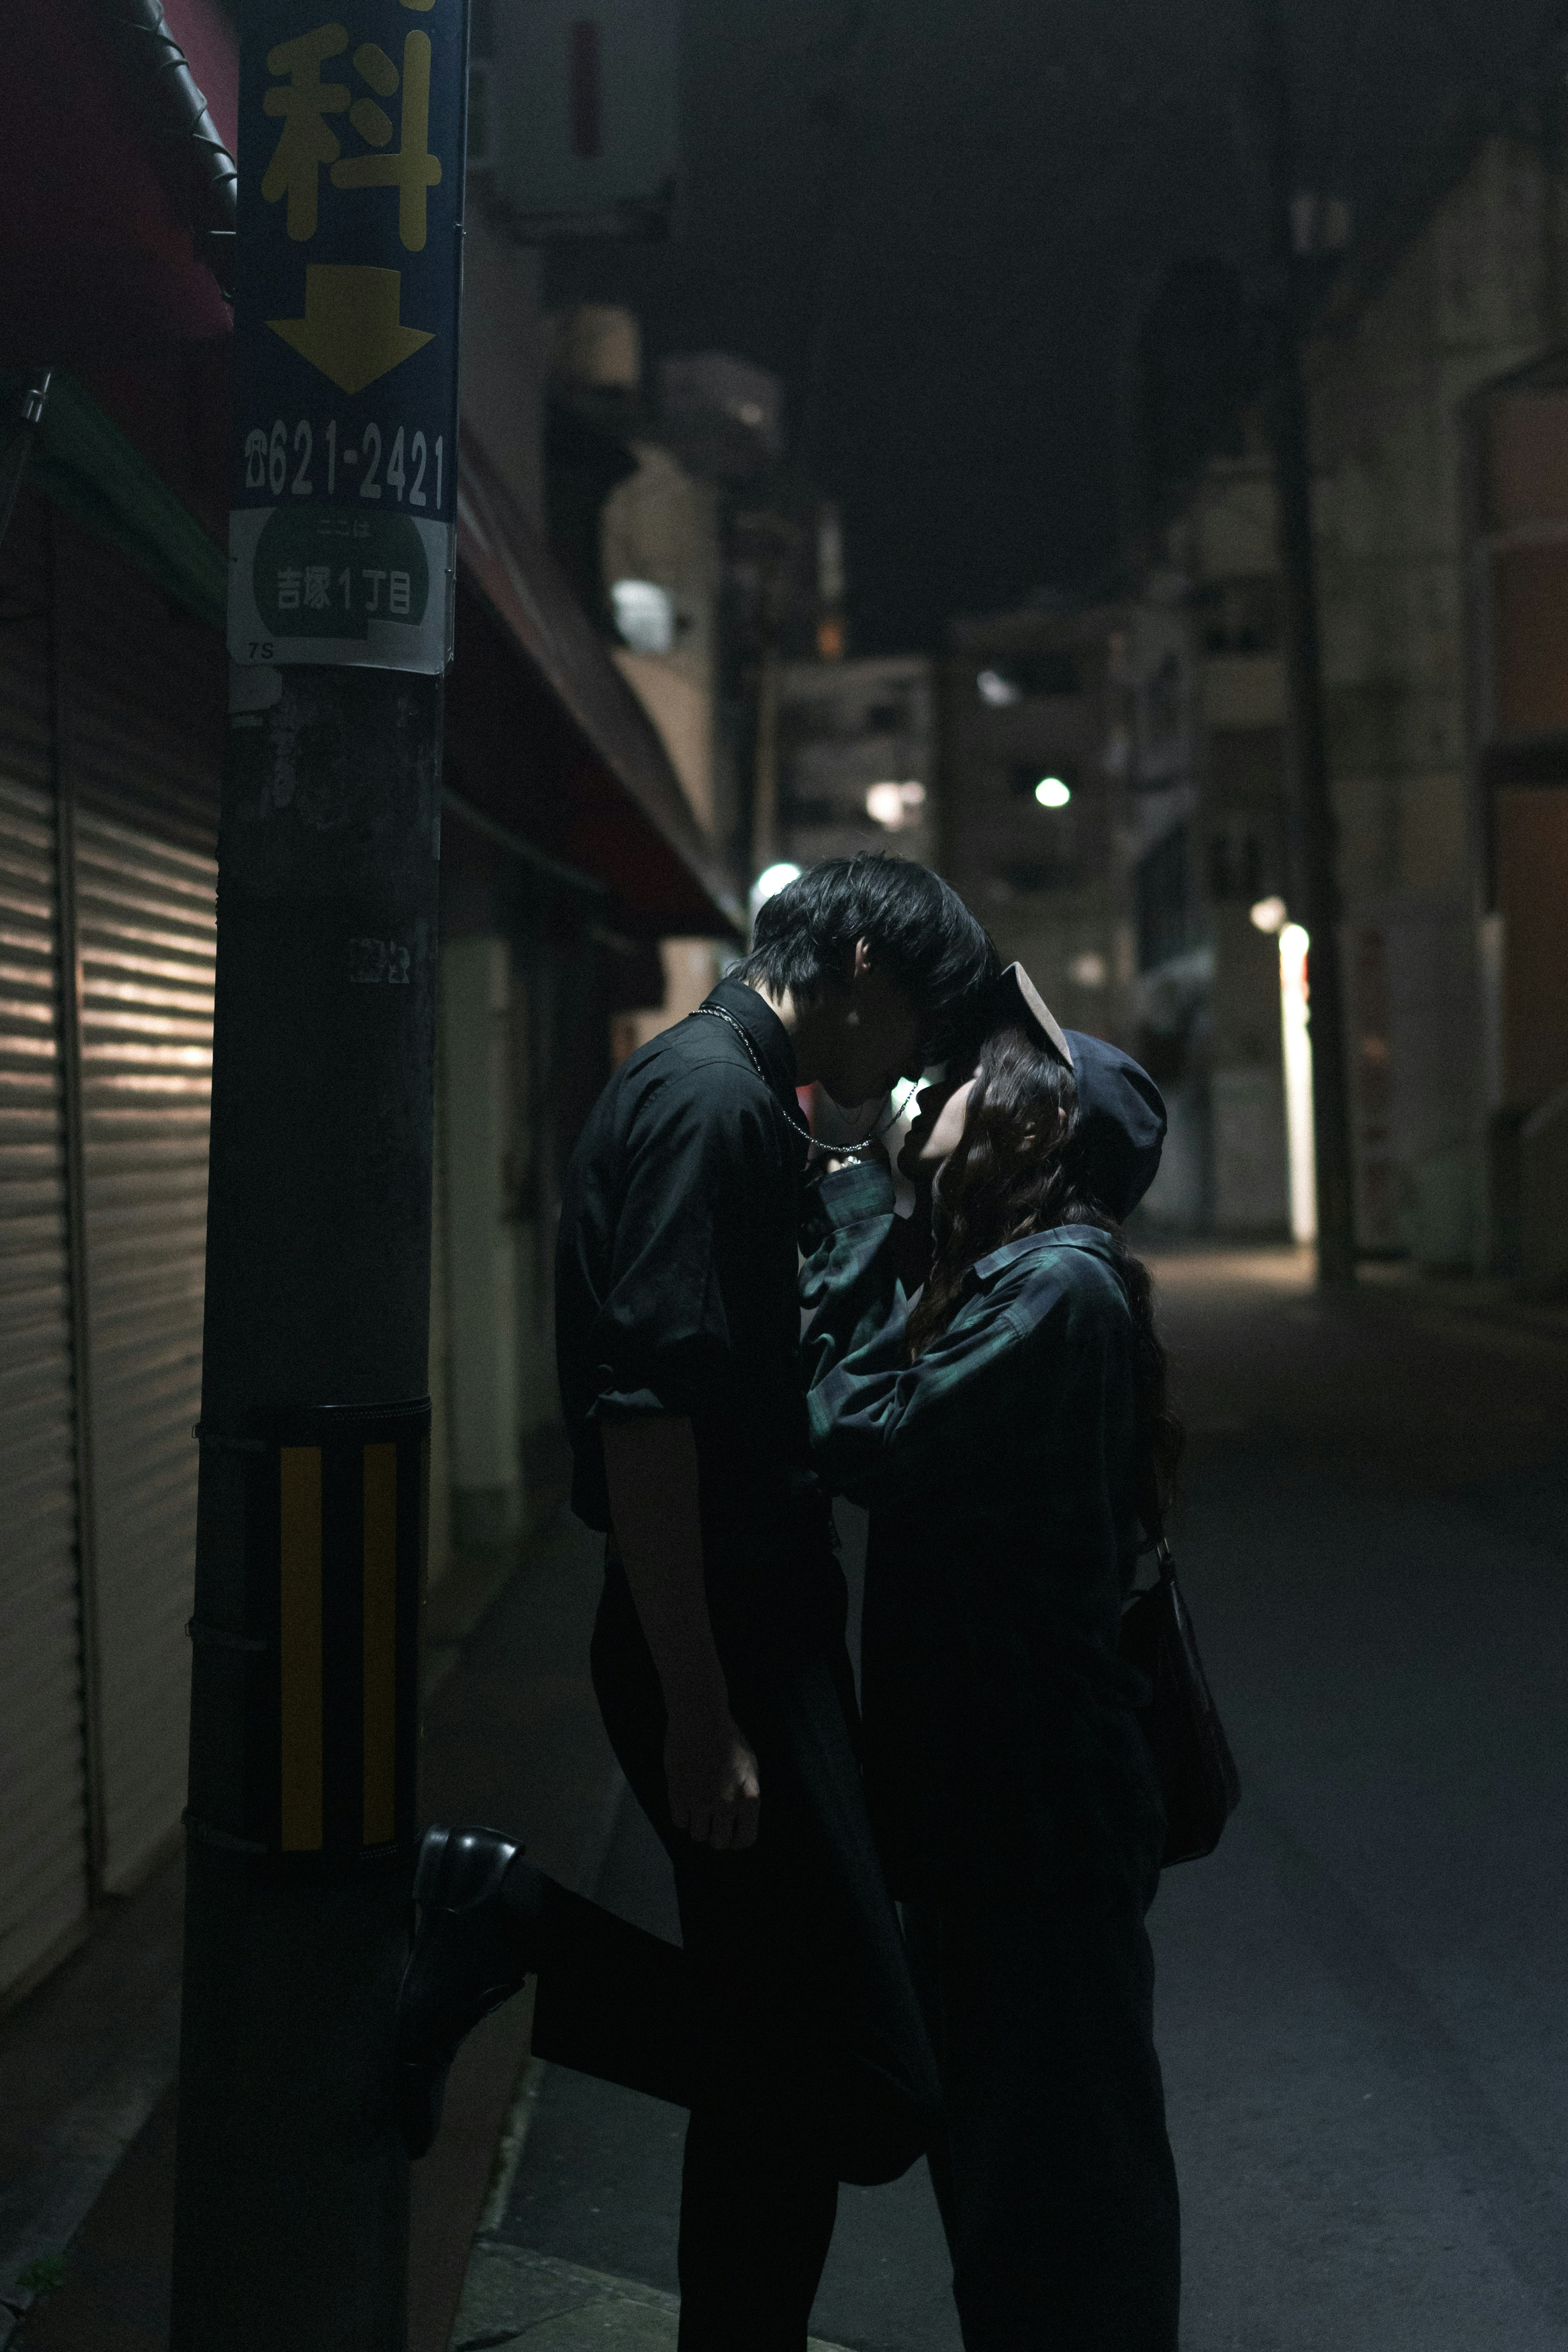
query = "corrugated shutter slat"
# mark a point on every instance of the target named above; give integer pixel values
(43, 1834)
(147, 700)
(145, 934)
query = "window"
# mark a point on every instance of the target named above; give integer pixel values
(1167, 702)
(1164, 929)
(1239, 616)
(1235, 866)
(1024, 877)
(805, 813)
(1033, 673)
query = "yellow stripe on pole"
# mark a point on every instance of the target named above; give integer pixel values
(380, 1645)
(300, 1646)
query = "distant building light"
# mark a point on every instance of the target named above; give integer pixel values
(1051, 793)
(1089, 971)
(895, 805)
(1268, 915)
(644, 615)
(998, 690)
(770, 882)
(1297, 1039)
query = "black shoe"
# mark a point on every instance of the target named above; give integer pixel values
(468, 1957)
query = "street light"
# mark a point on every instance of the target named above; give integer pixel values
(770, 882)
(1051, 793)
(895, 805)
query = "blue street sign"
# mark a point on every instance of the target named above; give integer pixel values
(342, 527)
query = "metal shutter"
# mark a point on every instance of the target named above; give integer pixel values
(43, 1816)
(146, 691)
(144, 918)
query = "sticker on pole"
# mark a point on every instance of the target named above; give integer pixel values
(342, 524)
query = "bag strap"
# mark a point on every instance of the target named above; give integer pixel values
(1149, 1511)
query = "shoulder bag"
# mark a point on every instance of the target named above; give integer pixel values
(1198, 1779)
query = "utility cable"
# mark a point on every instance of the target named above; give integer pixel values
(194, 168)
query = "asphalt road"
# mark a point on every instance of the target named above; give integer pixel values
(1360, 2007)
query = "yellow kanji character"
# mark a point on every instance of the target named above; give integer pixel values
(412, 169)
(307, 144)
(373, 126)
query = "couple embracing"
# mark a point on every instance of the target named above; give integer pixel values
(923, 1936)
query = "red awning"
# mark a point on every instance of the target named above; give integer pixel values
(93, 263)
(623, 816)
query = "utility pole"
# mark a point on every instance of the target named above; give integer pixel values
(292, 2191)
(765, 779)
(776, 543)
(1288, 426)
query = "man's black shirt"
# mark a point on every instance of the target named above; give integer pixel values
(675, 1294)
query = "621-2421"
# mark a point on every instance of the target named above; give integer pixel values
(290, 465)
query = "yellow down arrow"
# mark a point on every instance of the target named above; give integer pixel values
(352, 329)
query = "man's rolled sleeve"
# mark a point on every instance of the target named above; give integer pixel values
(849, 1290)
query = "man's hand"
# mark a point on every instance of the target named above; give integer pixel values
(714, 1793)
(650, 1470)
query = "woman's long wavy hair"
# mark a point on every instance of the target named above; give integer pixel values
(1020, 1168)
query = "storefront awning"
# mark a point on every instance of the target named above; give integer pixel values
(623, 817)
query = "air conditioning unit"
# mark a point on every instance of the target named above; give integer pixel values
(584, 134)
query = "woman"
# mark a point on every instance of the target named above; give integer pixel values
(1003, 1428)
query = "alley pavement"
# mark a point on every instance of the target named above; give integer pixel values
(1361, 2007)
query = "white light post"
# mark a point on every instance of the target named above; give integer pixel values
(1297, 1039)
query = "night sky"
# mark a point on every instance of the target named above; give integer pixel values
(934, 219)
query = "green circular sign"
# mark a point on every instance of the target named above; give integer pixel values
(329, 572)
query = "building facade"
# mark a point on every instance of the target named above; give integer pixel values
(1033, 778)
(856, 759)
(1198, 734)
(1437, 426)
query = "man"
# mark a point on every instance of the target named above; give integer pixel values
(787, 2025)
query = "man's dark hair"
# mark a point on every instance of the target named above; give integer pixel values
(919, 931)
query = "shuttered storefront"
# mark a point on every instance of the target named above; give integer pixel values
(43, 1789)
(143, 691)
(144, 914)
(134, 747)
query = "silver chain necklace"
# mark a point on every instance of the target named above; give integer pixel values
(835, 1150)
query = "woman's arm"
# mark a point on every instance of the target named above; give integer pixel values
(886, 1430)
(848, 1288)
